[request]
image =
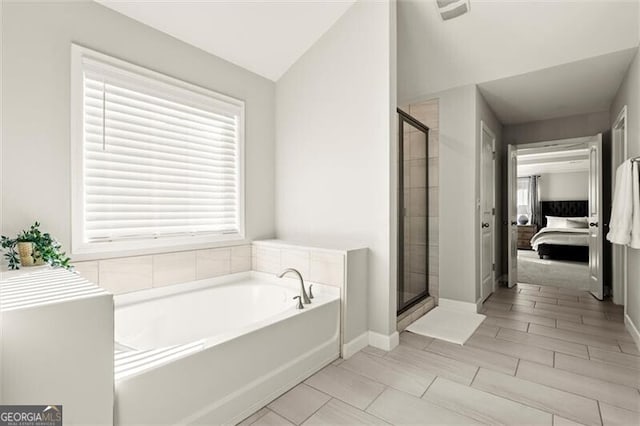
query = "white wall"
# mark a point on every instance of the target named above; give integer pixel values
(457, 202)
(564, 186)
(335, 137)
(629, 95)
(36, 49)
(485, 114)
(557, 128)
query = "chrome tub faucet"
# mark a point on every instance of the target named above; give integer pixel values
(303, 293)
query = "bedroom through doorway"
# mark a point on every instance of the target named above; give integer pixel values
(556, 208)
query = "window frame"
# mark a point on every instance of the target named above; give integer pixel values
(100, 249)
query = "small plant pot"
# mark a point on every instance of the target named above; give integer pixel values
(25, 251)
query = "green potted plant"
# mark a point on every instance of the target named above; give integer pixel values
(34, 247)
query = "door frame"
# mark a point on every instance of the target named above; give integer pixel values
(534, 147)
(403, 118)
(485, 128)
(619, 153)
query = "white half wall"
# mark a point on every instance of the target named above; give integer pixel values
(36, 47)
(335, 135)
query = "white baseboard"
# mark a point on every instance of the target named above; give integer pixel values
(456, 305)
(355, 345)
(384, 342)
(632, 329)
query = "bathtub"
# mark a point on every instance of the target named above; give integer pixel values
(214, 351)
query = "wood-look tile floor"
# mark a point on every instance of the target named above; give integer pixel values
(544, 355)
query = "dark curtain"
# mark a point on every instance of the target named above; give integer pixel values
(534, 201)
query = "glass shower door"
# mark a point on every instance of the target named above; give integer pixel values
(413, 202)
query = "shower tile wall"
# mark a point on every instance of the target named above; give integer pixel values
(416, 159)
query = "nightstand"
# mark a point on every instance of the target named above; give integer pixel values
(525, 233)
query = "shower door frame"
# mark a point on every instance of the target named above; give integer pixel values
(406, 118)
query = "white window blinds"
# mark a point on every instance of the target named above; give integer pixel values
(160, 158)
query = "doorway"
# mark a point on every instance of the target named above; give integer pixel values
(563, 245)
(413, 208)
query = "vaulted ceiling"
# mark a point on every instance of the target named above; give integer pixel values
(500, 38)
(263, 36)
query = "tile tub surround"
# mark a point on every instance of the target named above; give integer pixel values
(345, 268)
(325, 266)
(127, 274)
(492, 379)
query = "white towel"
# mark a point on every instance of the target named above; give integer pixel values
(635, 217)
(621, 213)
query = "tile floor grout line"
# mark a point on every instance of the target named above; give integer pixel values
(474, 376)
(515, 373)
(540, 408)
(378, 396)
(427, 389)
(591, 398)
(312, 414)
(264, 414)
(600, 412)
(267, 411)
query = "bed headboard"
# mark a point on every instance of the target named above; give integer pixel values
(563, 209)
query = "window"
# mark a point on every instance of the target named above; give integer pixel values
(524, 199)
(155, 161)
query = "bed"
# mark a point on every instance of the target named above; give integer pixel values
(565, 238)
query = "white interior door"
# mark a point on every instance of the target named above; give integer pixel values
(487, 212)
(595, 216)
(512, 208)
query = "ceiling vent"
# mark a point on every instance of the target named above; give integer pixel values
(450, 9)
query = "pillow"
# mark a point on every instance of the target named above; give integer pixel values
(567, 222)
(577, 222)
(556, 222)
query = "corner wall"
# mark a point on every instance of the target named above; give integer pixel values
(629, 95)
(336, 139)
(485, 114)
(36, 48)
(457, 209)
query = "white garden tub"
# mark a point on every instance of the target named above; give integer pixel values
(214, 351)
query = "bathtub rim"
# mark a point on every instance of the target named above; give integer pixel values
(153, 293)
(324, 295)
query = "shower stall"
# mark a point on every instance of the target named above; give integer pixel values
(413, 208)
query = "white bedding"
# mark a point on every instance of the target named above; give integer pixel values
(561, 236)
